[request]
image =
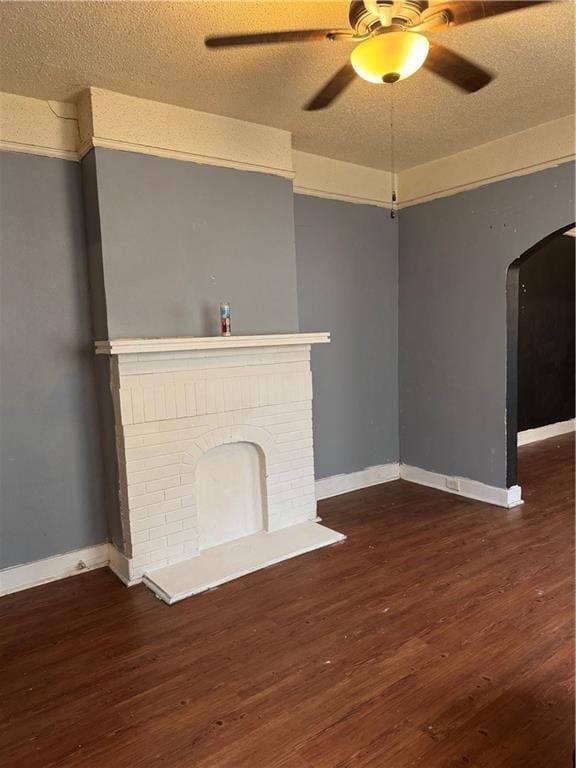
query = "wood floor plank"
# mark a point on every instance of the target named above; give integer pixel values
(441, 633)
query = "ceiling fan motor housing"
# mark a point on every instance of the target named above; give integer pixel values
(366, 16)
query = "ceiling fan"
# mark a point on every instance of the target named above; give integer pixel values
(392, 43)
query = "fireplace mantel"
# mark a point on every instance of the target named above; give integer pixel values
(214, 443)
(201, 343)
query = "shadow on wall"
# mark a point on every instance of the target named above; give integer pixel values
(513, 305)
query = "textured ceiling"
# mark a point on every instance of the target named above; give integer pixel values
(52, 50)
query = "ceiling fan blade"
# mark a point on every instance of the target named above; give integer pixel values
(265, 38)
(458, 12)
(333, 88)
(456, 69)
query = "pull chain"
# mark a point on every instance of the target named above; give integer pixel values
(392, 154)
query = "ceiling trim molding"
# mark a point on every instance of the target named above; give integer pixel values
(33, 149)
(544, 146)
(337, 180)
(38, 127)
(189, 157)
(126, 123)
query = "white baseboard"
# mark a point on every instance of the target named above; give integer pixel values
(549, 430)
(383, 473)
(337, 484)
(53, 568)
(73, 563)
(462, 486)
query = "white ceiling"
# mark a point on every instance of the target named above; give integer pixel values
(52, 50)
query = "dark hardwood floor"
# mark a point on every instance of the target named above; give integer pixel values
(439, 634)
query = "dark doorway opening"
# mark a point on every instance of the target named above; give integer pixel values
(531, 411)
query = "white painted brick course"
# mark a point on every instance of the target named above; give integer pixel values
(146, 499)
(146, 523)
(163, 483)
(182, 536)
(303, 482)
(155, 545)
(175, 552)
(303, 436)
(180, 492)
(164, 530)
(137, 489)
(155, 509)
(146, 475)
(184, 513)
(146, 428)
(290, 453)
(282, 423)
(152, 462)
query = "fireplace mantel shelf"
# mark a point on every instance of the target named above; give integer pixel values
(201, 343)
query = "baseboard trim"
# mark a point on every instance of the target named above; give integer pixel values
(549, 430)
(335, 485)
(29, 575)
(463, 486)
(20, 577)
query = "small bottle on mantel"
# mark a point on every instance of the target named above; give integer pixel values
(225, 326)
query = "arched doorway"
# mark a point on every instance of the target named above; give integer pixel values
(512, 317)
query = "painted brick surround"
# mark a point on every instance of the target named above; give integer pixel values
(172, 404)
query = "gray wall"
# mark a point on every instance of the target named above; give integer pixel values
(178, 238)
(454, 257)
(99, 315)
(347, 263)
(168, 241)
(50, 465)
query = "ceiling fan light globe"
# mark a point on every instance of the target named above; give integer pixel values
(389, 57)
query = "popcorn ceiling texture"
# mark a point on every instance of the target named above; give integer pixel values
(155, 51)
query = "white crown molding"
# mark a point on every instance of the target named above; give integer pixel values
(549, 430)
(463, 486)
(535, 149)
(39, 127)
(334, 485)
(336, 180)
(34, 149)
(127, 123)
(53, 568)
(115, 121)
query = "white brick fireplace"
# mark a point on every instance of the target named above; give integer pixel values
(215, 455)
